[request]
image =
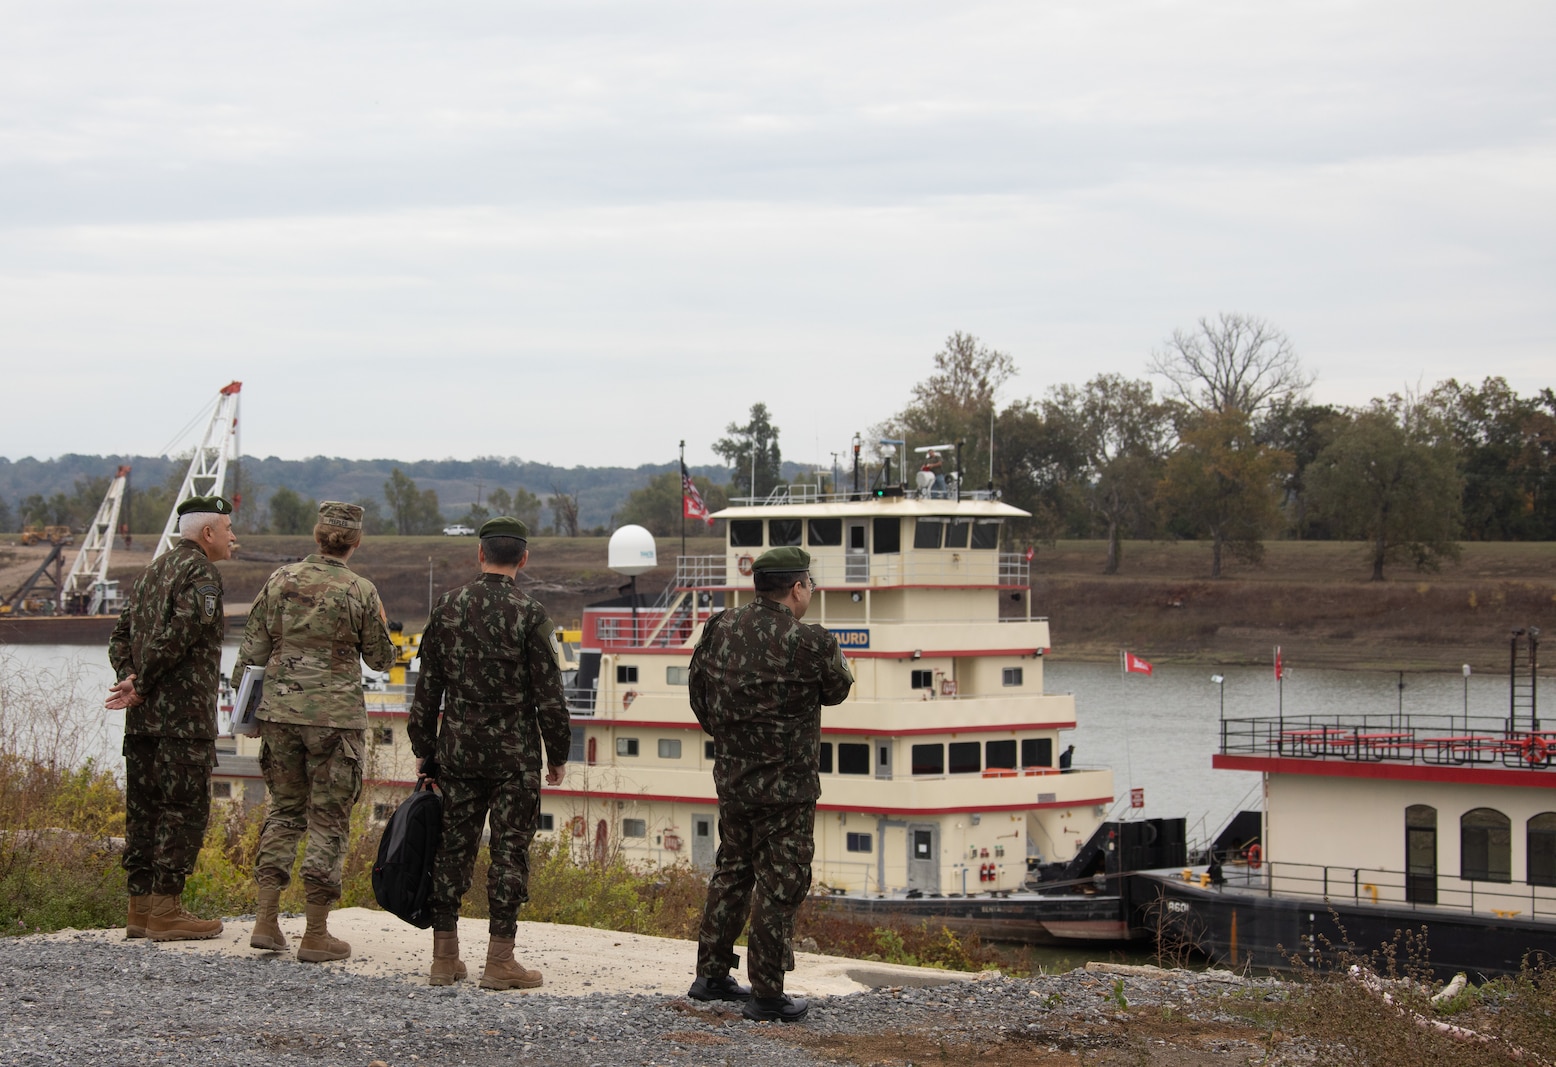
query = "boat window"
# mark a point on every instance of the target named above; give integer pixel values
(1000, 754)
(707, 750)
(677, 675)
(986, 533)
(824, 532)
(575, 753)
(745, 533)
(928, 759)
(965, 757)
(927, 533)
(956, 533)
(626, 746)
(860, 842)
(923, 680)
(1037, 752)
(1011, 676)
(634, 828)
(853, 758)
(669, 748)
(1541, 832)
(888, 535)
(626, 674)
(825, 762)
(547, 821)
(782, 532)
(1485, 846)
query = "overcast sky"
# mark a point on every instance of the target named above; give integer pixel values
(579, 232)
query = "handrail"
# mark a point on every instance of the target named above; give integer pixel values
(1431, 740)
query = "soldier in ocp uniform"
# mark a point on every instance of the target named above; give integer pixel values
(759, 679)
(310, 628)
(489, 668)
(166, 653)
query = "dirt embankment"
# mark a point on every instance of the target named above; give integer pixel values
(1313, 598)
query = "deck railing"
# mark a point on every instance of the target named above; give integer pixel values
(1377, 885)
(1433, 740)
(968, 566)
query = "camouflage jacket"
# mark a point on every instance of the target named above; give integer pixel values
(488, 664)
(169, 636)
(311, 627)
(758, 681)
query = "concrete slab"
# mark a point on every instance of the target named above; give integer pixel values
(576, 960)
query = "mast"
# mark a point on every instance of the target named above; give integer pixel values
(85, 589)
(207, 473)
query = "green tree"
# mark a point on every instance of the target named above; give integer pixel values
(414, 511)
(290, 513)
(1231, 363)
(956, 403)
(758, 438)
(7, 520)
(1037, 467)
(1220, 482)
(1301, 430)
(1507, 451)
(657, 506)
(1385, 480)
(373, 523)
(1120, 433)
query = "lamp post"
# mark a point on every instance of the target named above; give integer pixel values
(1221, 690)
(1466, 699)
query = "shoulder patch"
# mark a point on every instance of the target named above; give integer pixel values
(207, 595)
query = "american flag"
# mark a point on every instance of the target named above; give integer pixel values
(691, 501)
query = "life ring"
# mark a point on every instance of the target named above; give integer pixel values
(627, 698)
(578, 825)
(743, 565)
(1255, 857)
(1535, 751)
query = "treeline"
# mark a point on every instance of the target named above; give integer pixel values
(1234, 451)
(281, 496)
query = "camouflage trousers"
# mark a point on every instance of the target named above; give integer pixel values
(167, 802)
(314, 775)
(763, 872)
(514, 804)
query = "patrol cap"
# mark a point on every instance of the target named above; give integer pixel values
(206, 505)
(782, 559)
(504, 526)
(338, 513)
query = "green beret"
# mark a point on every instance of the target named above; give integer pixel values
(212, 505)
(504, 526)
(782, 559)
(336, 513)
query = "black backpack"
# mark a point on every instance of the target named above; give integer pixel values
(402, 877)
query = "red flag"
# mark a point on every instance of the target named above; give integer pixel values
(1279, 672)
(691, 500)
(1135, 665)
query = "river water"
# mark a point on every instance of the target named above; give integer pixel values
(1155, 732)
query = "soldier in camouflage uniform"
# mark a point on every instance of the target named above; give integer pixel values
(166, 654)
(310, 628)
(489, 666)
(759, 679)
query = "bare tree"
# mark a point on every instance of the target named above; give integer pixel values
(1232, 363)
(564, 509)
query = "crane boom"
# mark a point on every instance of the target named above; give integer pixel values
(86, 589)
(207, 474)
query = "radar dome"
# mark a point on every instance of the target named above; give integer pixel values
(632, 551)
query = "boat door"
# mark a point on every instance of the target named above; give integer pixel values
(924, 857)
(1421, 854)
(856, 561)
(703, 850)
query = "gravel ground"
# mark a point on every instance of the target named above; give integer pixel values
(89, 1002)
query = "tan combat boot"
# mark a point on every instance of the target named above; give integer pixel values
(447, 967)
(317, 946)
(502, 971)
(267, 926)
(135, 924)
(166, 920)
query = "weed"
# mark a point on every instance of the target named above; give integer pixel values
(1120, 1001)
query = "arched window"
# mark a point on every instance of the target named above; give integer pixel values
(1421, 854)
(1485, 846)
(1541, 831)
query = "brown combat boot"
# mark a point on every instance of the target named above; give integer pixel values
(317, 946)
(166, 920)
(502, 971)
(447, 967)
(267, 926)
(135, 924)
